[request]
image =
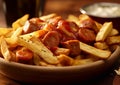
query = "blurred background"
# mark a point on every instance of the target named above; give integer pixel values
(17, 8)
(61, 7)
(65, 7)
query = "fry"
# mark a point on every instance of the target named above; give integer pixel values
(4, 31)
(65, 60)
(113, 32)
(4, 50)
(101, 45)
(73, 18)
(36, 34)
(83, 61)
(104, 31)
(113, 40)
(46, 17)
(39, 48)
(118, 71)
(103, 54)
(62, 51)
(20, 22)
(99, 25)
(36, 59)
(12, 41)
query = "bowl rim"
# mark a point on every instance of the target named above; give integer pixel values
(114, 56)
(83, 11)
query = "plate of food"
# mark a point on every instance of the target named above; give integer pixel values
(50, 49)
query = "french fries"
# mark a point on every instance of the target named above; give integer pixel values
(13, 39)
(113, 40)
(20, 22)
(46, 17)
(104, 54)
(5, 50)
(73, 19)
(101, 45)
(113, 32)
(118, 71)
(104, 31)
(39, 48)
(4, 31)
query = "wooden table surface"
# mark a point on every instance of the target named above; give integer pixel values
(63, 8)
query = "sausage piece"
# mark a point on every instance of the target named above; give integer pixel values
(29, 27)
(33, 24)
(24, 55)
(51, 39)
(74, 47)
(90, 24)
(86, 35)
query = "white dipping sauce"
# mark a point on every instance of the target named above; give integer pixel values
(103, 9)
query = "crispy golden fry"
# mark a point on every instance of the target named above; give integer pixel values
(4, 50)
(62, 51)
(39, 48)
(99, 25)
(20, 22)
(36, 59)
(12, 41)
(9, 34)
(46, 17)
(104, 31)
(103, 54)
(113, 40)
(65, 60)
(83, 17)
(101, 45)
(36, 34)
(118, 71)
(83, 61)
(73, 19)
(113, 32)
(17, 32)
(4, 31)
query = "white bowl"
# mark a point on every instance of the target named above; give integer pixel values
(103, 12)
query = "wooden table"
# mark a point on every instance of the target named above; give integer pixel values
(63, 8)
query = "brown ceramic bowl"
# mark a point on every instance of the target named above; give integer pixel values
(42, 75)
(103, 12)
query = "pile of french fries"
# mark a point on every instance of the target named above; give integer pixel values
(107, 38)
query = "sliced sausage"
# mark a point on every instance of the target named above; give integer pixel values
(73, 27)
(24, 55)
(90, 24)
(66, 30)
(36, 20)
(33, 24)
(54, 21)
(74, 47)
(86, 35)
(64, 25)
(51, 39)
(29, 27)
